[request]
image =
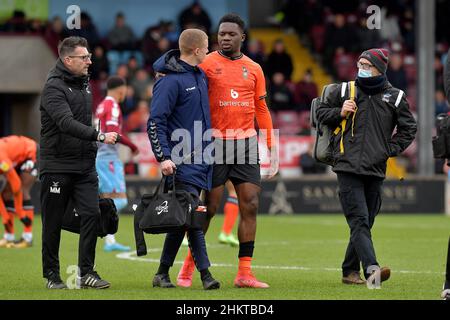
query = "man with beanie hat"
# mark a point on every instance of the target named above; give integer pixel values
(362, 142)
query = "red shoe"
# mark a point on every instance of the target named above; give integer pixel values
(248, 281)
(185, 275)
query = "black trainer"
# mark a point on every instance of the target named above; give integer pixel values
(92, 280)
(162, 280)
(209, 283)
(54, 282)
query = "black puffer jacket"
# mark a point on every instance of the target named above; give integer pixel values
(67, 141)
(368, 141)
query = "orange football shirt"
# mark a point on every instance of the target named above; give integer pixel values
(17, 149)
(236, 89)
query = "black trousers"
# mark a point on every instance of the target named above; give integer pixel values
(360, 197)
(196, 238)
(447, 273)
(57, 189)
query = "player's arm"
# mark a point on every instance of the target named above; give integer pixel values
(262, 113)
(110, 119)
(329, 110)
(55, 104)
(15, 184)
(406, 129)
(165, 94)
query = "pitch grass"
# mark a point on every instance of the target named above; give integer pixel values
(299, 256)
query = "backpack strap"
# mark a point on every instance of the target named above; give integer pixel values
(399, 98)
(352, 95)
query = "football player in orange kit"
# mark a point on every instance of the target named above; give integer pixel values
(230, 215)
(17, 164)
(237, 92)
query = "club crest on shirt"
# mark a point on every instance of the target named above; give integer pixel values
(244, 72)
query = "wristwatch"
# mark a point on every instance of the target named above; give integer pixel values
(101, 137)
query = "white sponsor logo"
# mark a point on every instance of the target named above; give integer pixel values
(190, 89)
(163, 207)
(55, 188)
(234, 94)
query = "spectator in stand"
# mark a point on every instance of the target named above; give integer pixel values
(195, 16)
(367, 38)
(279, 61)
(152, 45)
(87, 30)
(17, 23)
(281, 97)
(162, 46)
(130, 103)
(439, 72)
(441, 105)
(133, 67)
(122, 71)
(100, 65)
(309, 165)
(391, 28)
(140, 84)
(337, 35)
(255, 53)
(305, 91)
(137, 120)
(121, 36)
(396, 73)
(54, 33)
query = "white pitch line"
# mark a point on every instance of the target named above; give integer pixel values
(130, 256)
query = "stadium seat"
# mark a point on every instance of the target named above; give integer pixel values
(345, 66)
(317, 34)
(410, 67)
(288, 122)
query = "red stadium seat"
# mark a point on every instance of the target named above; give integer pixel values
(288, 122)
(317, 34)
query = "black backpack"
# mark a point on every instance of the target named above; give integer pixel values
(323, 149)
(108, 221)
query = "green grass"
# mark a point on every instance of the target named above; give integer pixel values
(299, 256)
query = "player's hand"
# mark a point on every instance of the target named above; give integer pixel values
(274, 163)
(168, 167)
(110, 137)
(348, 107)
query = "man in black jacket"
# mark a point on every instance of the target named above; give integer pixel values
(446, 289)
(361, 148)
(67, 161)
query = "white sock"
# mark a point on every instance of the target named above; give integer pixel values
(27, 236)
(110, 239)
(9, 236)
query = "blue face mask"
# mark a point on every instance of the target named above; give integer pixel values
(364, 73)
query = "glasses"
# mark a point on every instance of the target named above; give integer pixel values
(364, 66)
(84, 58)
